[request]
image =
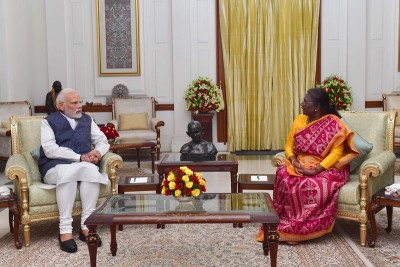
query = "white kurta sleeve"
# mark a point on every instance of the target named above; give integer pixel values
(99, 140)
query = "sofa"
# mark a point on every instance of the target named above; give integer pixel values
(8, 109)
(376, 169)
(35, 201)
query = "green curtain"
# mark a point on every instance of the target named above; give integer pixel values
(270, 51)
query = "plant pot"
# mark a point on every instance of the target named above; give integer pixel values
(111, 141)
(183, 199)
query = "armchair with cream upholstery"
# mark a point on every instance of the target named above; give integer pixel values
(135, 117)
(8, 109)
(392, 102)
(376, 170)
(36, 203)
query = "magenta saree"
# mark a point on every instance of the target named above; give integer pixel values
(306, 205)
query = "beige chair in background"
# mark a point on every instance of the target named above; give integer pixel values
(8, 109)
(36, 203)
(135, 117)
(375, 171)
(392, 102)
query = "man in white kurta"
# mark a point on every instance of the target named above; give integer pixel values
(64, 136)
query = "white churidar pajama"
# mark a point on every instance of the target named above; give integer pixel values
(66, 177)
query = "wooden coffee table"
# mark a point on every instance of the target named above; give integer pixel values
(222, 163)
(161, 209)
(378, 201)
(133, 143)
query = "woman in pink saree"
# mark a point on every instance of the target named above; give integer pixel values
(318, 151)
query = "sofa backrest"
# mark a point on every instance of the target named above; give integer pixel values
(8, 109)
(25, 133)
(377, 127)
(133, 105)
(18, 108)
(391, 101)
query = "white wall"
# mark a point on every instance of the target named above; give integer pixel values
(359, 42)
(23, 49)
(46, 40)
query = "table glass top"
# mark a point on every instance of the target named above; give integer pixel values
(205, 203)
(218, 158)
(128, 140)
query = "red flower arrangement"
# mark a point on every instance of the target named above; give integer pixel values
(339, 92)
(183, 181)
(202, 96)
(109, 131)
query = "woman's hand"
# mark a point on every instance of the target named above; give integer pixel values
(307, 171)
(296, 164)
(311, 171)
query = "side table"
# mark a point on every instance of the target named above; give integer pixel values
(379, 200)
(143, 183)
(256, 182)
(10, 201)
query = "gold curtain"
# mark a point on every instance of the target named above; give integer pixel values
(270, 51)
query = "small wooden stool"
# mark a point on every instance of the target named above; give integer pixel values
(10, 201)
(256, 182)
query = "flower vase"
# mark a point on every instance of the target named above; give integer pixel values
(205, 120)
(183, 199)
(185, 203)
(111, 141)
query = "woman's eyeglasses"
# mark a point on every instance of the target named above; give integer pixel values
(304, 102)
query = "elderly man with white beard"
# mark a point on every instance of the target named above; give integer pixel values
(67, 161)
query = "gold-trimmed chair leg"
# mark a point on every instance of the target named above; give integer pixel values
(27, 235)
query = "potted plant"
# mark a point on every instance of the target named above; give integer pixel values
(110, 132)
(202, 96)
(339, 92)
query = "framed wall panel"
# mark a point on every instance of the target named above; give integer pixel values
(118, 37)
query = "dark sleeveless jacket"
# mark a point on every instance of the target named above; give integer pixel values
(79, 140)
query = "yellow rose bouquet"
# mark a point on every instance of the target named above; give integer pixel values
(183, 181)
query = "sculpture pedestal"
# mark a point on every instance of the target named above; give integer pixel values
(206, 121)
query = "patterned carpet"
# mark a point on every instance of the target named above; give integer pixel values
(204, 245)
(177, 245)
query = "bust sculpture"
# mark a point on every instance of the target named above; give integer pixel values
(198, 149)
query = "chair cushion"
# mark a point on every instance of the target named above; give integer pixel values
(138, 134)
(363, 147)
(35, 153)
(133, 121)
(6, 125)
(350, 192)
